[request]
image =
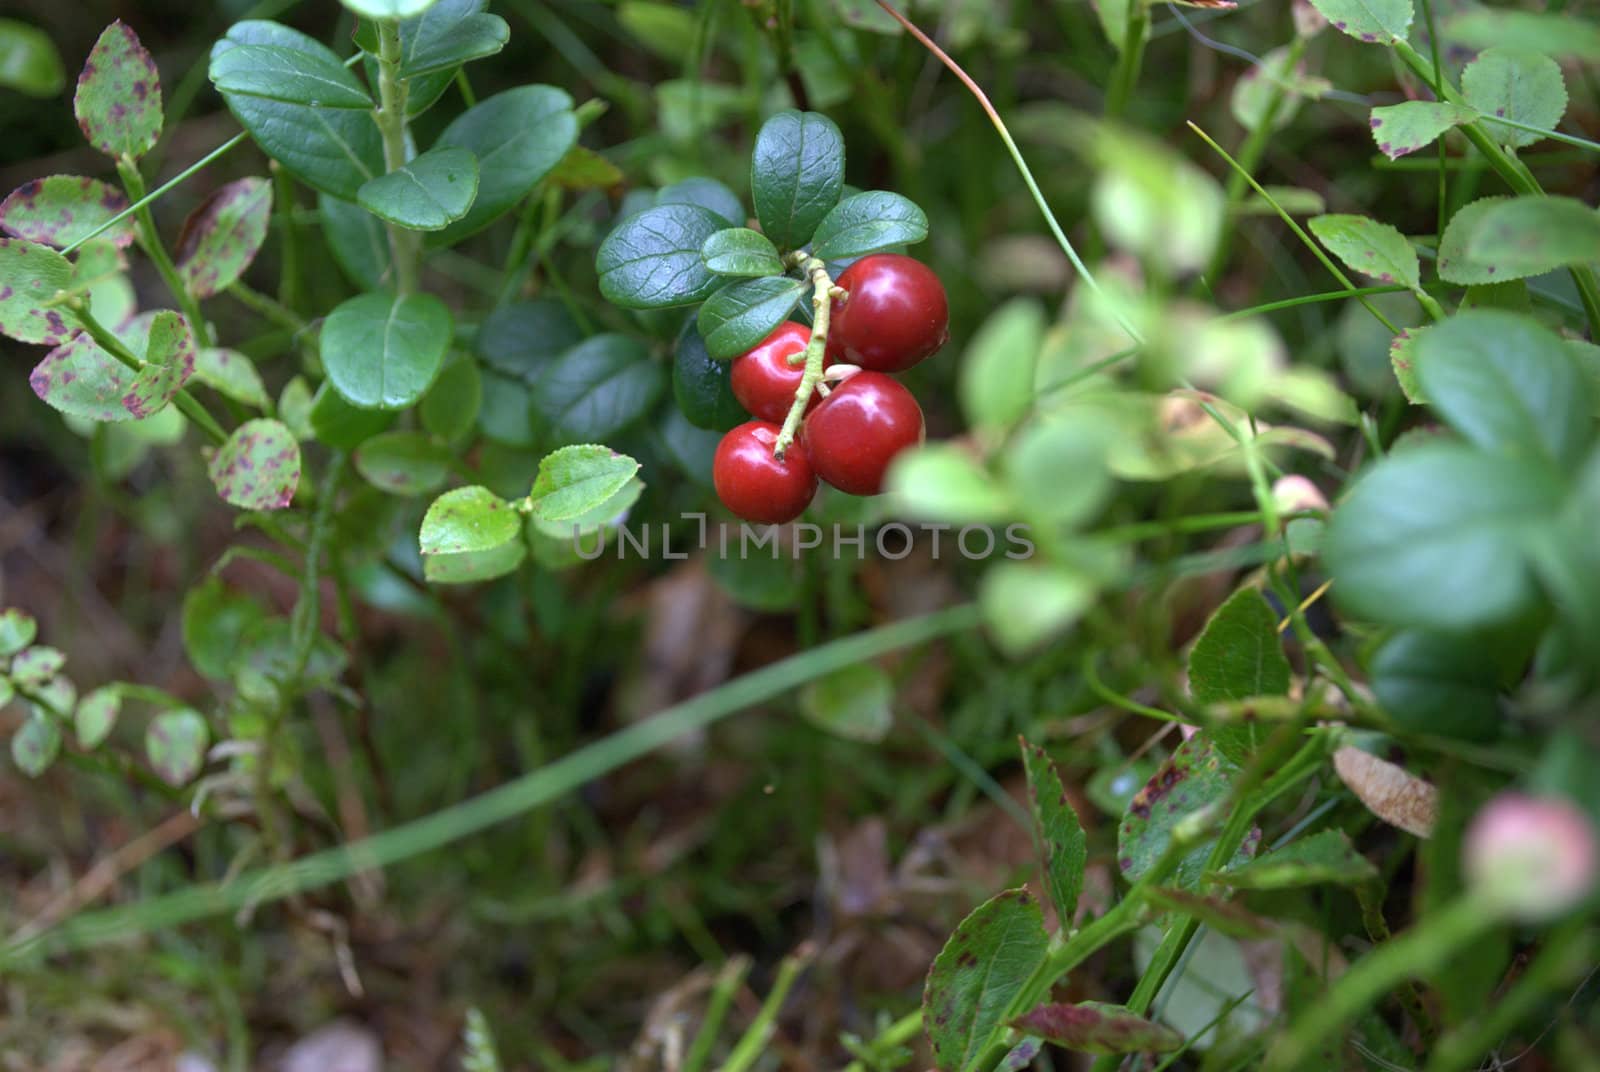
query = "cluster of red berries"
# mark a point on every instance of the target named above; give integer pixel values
(894, 314)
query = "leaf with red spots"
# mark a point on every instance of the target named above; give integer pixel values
(99, 273)
(232, 374)
(468, 519)
(1404, 128)
(168, 349)
(1197, 776)
(118, 103)
(82, 380)
(1403, 357)
(175, 743)
(1510, 83)
(978, 974)
(223, 235)
(1096, 1027)
(97, 715)
(36, 745)
(30, 275)
(1369, 247)
(61, 209)
(258, 468)
(1372, 21)
(1063, 848)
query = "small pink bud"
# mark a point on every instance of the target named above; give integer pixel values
(1533, 857)
(1295, 494)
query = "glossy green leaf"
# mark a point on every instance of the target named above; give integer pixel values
(470, 567)
(1197, 776)
(1512, 84)
(574, 480)
(60, 209)
(358, 241)
(333, 150)
(521, 339)
(597, 388)
(1025, 605)
(258, 468)
(741, 251)
(745, 311)
(505, 414)
(450, 408)
(472, 534)
(30, 275)
(175, 744)
(34, 666)
(36, 744)
(1423, 519)
(403, 463)
(222, 236)
(1442, 684)
(866, 223)
(997, 370)
(96, 716)
(702, 386)
(1557, 35)
(426, 194)
(1096, 1027)
(853, 703)
(1506, 383)
(29, 62)
(1404, 128)
(708, 194)
(118, 101)
(288, 74)
(1533, 235)
(1063, 846)
(17, 630)
(1320, 859)
(796, 175)
(981, 969)
(383, 351)
(517, 137)
(232, 375)
(216, 619)
(388, 9)
(342, 426)
(652, 259)
(448, 34)
(1372, 21)
(1369, 247)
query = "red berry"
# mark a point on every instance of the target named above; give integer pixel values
(896, 314)
(856, 431)
(763, 380)
(755, 485)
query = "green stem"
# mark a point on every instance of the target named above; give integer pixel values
(141, 202)
(821, 312)
(729, 980)
(289, 277)
(150, 242)
(897, 1034)
(754, 1041)
(305, 622)
(267, 308)
(1129, 59)
(187, 404)
(404, 246)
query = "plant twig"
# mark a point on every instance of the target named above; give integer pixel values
(404, 246)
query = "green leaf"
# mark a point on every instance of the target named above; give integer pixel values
(1454, 264)
(1151, 201)
(703, 386)
(258, 468)
(1442, 684)
(450, 408)
(1063, 846)
(339, 424)
(382, 351)
(1533, 235)
(665, 29)
(854, 703)
(403, 463)
(59, 210)
(942, 482)
(448, 34)
(1096, 1027)
(1373, 21)
(29, 62)
(997, 370)
(980, 971)
(231, 374)
(866, 223)
(1422, 520)
(294, 407)
(333, 150)
(164, 341)
(35, 746)
(517, 136)
(1512, 84)
(216, 619)
(1042, 451)
(652, 259)
(1195, 777)
(1559, 36)
(222, 236)
(30, 275)
(521, 339)
(1026, 604)
(1399, 129)
(118, 102)
(796, 175)
(468, 519)
(597, 388)
(17, 631)
(1507, 384)
(357, 240)
(741, 251)
(470, 567)
(1369, 247)
(288, 74)
(34, 666)
(427, 194)
(574, 480)
(97, 716)
(1321, 859)
(745, 311)
(175, 743)
(708, 194)
(388, 9)
(1239, 654)
(584, 169)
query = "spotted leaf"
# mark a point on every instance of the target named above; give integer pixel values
(118, 103)
(231, 373)
(36, 745)
(1197, 776)
(258, 468)
(980, 971)
(1398, 129)
(1095, 1027)
(63, 209)
(176, 744)
(30, 275)
(223, 235)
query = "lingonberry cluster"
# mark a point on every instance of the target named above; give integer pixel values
(890, 313)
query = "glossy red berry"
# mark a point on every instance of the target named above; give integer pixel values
(856, 431)
(896, 314)
(763, 380)
(755, 485)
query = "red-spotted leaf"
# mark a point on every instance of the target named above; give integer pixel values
(1370, 247)
(1197, 776)
(230, 373)
(17, 630)
(30, 275)
(82, 380)
(258, 468)
(97, 715)
(61, 209)
(1225, 917)
(37, 665)
(1399, 129)
(167, 346)
(118, 103)
(1095, 1027)
(223, 235)
(36, 745)
(1063, 845)
(978, 974)
(176, 744)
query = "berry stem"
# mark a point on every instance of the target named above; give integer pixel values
(822, 289)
